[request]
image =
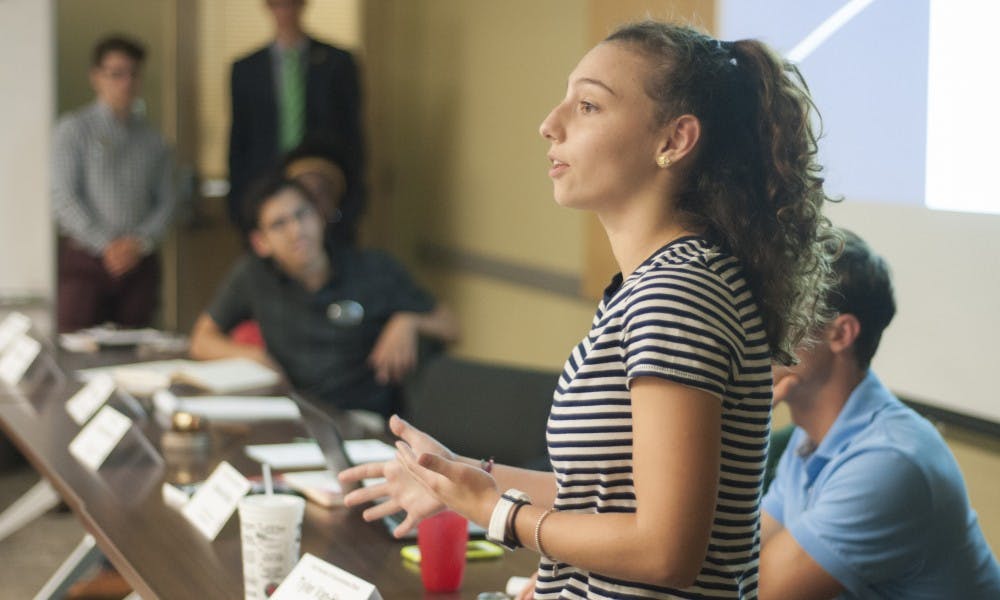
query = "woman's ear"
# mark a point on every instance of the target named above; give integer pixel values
(681, 137)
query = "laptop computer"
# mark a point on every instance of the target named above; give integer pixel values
(323, 428)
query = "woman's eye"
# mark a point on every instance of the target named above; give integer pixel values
(587, 107)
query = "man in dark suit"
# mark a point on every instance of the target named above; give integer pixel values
(293, 87)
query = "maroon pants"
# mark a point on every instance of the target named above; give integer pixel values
(89, 296)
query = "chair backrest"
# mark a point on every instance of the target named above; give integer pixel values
(482, 410)
(775, 448)
(247, 333)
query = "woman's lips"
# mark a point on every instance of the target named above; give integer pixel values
(557, 168)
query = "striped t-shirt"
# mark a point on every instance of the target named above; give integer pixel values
(686, 314)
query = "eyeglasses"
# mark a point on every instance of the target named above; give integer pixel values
(300, 215)
(118, 74)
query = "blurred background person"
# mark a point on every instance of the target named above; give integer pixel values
(343, 323)
(317, 164)
(112, 196)
(293, 87)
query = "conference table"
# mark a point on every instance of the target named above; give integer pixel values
(152, 545)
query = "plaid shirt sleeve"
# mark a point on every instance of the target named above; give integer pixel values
(155, 224)
(71, 212)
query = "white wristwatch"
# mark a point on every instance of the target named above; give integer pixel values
(498, 532)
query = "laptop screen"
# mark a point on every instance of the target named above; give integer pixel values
(323, 428)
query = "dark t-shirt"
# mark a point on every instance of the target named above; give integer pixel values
(324, 358)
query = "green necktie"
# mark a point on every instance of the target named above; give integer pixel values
(292, 106)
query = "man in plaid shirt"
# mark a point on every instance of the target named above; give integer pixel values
(112, 197)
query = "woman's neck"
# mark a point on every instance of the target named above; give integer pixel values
(636, 234)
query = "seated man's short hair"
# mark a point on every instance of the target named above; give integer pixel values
(864, 290)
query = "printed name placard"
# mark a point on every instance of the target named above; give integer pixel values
(17, 358)
(216, 500)
(14, 326)
(173, 496)
(96, 441)
(316, 579)
(91, 397)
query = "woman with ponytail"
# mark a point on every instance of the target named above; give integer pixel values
(699, 159)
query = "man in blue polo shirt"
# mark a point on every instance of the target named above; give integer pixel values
(868, 502)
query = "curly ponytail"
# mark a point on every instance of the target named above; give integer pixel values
(754, 186)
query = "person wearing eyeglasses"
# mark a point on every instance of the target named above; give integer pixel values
(112, 197)
(342, 322)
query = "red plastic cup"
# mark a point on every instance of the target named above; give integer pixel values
(442, 540)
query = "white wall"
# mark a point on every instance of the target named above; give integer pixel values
(942, 346)
(26, 112)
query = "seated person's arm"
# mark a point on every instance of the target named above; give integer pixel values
(208, 342)
(395, 352)
(846, 540)
(786, 570)
(439, 324)
(768, 527)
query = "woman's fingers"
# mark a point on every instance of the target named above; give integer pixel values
(438, 464)
(362, 472)
(408, 459)
(380, 510)
(366, 494)
(405, 527)
(404, 431)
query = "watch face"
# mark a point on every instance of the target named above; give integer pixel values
(516, 496)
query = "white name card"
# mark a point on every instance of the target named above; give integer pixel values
(216, 500)
(316, 579)
(17, 358)
(91, 397)
(15, 325)
(173, 496)
(96, 441)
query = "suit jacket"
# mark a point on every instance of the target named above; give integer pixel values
(332, 111)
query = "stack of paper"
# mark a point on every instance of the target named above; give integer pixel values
(366, 451)
(95, 338)
(228, 409)
(223, 376)
(297, 455)
(321, 487)
(226, 375)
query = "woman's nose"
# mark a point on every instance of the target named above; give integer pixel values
(549, 127)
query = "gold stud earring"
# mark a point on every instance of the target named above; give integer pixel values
(663, 161)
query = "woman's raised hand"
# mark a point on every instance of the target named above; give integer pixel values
(401, 490)
(466, 489)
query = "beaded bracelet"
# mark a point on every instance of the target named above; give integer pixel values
(538, 534)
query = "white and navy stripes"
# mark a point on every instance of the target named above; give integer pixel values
(686, 314)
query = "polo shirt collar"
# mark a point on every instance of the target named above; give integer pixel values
(867, 399)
